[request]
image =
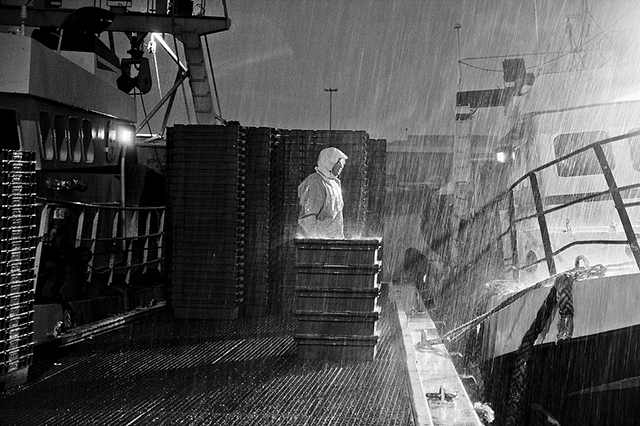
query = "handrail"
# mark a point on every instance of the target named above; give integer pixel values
(613, 192)
(114, 206)
(118, 239)
(556, 161)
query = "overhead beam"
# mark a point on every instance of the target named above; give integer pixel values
(484, 98)
(123, 22)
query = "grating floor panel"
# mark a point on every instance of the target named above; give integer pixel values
(185, 372)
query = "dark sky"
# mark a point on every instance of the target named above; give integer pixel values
(394, 63)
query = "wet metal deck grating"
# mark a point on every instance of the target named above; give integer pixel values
(244, 372)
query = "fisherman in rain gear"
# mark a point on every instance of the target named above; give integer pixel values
(320, 196)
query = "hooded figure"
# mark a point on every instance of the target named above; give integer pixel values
(320, 196)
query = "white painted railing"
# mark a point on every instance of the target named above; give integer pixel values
(122, 241)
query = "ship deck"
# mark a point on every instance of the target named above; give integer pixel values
(161, 370)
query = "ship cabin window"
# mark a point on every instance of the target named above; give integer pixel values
(74, 139)
(60, 135)
(87, 141)
(46, 139)
(585, 163)
(111, 145)
(10, 128)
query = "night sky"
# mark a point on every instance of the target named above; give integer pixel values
(394, 63)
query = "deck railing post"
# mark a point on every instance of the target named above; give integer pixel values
(513, 236)
(619, 202)
(542, 222)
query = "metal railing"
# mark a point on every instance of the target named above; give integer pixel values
(508, 201)
(118, 242)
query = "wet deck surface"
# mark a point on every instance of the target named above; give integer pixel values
(166, 371)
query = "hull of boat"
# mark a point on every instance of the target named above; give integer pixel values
(590, 380)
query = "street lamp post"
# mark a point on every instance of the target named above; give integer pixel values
(330, 103)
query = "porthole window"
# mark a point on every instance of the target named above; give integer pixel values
(74, 139)
(46, 138)
(88, 134)
(60, 135)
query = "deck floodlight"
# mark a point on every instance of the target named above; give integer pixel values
(505, 155)
(126, 134)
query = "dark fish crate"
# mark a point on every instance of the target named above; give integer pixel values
(336, 323)
(336, 300)
(336, 348)
(337, 276)
(338, 252)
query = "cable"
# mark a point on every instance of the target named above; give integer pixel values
(213, 78)
(144, 110)
(479, 68)
(155, 62)
(184, 92)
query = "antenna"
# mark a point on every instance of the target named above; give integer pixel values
(457, 27)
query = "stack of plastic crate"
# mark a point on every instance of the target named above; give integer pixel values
(276, 222)
(314, 142)
(353, 178)
(256, 245)
(206, 207)
(376, 174)
(294, 174)
(17, 278)
(336, 306)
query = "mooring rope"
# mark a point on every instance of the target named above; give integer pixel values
(578, 273)
(560, 295)
(564, 287)
(519, 376)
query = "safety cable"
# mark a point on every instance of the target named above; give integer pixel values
(578, 273)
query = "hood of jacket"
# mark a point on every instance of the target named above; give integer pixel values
(327, 159)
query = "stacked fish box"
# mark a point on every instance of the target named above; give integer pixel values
(337, 288)
(376, 190)
(206, 207)
(256, 244)
(276, 222)
(295, 157)
(17, 276)
(376, 176)
(294, 173)
(354, 179)
(313, 143)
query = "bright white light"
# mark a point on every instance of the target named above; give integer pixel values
(505, 156)
(126, 135)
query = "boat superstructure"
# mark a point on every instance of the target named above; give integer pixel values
(74, 77)
(545, 290)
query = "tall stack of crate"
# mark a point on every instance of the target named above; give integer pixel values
(276, 222)
(337, 288)
(206, 208)
(256, 244)
(313, 143)
(294, 173)
(295, 157)
(354, 179)
(376, 179)
(17, 276)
